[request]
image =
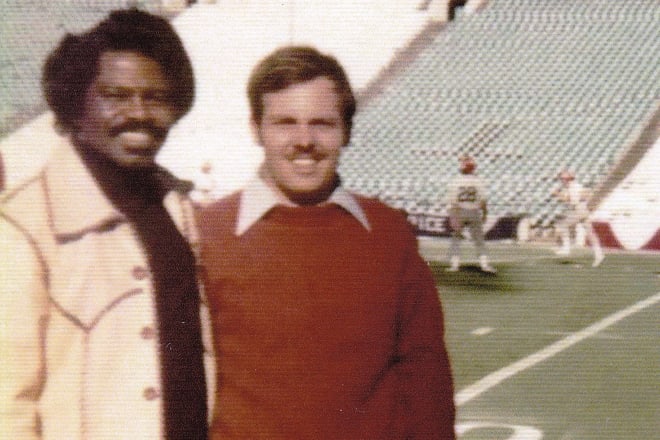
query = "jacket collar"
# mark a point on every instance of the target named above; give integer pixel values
(76, 203)
(258, 198)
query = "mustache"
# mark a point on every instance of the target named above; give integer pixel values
(149, 127)
(307, 151)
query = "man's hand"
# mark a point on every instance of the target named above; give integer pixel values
(454, 223)
(484, 211)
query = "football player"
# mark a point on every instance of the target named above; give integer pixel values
(575, 198)
(467, 206)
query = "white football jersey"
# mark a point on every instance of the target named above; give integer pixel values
(466, 191)
(575, 195)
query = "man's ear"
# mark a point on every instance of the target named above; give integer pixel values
(347, 140)
(347, 137)
(254, 130)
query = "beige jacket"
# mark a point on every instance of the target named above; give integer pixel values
(79, 352)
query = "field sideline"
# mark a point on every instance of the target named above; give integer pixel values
(549, 347)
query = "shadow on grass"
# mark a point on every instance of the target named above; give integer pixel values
(470, 279)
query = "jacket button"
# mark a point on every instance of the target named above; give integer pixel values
(148, 333)
(140, 273)
(151, 393)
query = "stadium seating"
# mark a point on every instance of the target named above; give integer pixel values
(527, 88)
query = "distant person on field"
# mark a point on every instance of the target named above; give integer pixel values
(575, 198)
(467, 205)
(103, 333)
(327, 320)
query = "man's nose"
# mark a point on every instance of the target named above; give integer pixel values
(137, 107)
(304, 138)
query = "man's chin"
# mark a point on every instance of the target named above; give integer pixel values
(137, 162)
(310, 196)
(139, 156)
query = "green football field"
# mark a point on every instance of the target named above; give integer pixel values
(549, 347)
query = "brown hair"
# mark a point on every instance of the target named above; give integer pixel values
(291, 65)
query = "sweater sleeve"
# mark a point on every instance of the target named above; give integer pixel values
(426, 393)
(22, 320)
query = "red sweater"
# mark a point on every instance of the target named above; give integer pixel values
(322, 329)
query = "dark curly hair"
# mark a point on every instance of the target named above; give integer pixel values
(73, 65)
(291, 65)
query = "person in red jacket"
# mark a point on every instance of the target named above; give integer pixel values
(326, 320)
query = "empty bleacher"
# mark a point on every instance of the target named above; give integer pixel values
(527, 88)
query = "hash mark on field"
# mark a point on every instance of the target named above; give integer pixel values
(497, 377)
(482, 331)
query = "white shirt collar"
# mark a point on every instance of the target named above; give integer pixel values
(258, 198)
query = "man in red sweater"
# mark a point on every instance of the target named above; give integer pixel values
(327, 322)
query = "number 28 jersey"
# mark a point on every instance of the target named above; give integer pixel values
(466, 191)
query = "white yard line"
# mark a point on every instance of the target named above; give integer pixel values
(493, 379)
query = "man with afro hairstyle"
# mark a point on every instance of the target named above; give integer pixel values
(103, 329)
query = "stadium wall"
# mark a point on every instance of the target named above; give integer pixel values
(501, 228)
(628, 215)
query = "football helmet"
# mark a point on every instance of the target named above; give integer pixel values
(566, 176)
(467, 164)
